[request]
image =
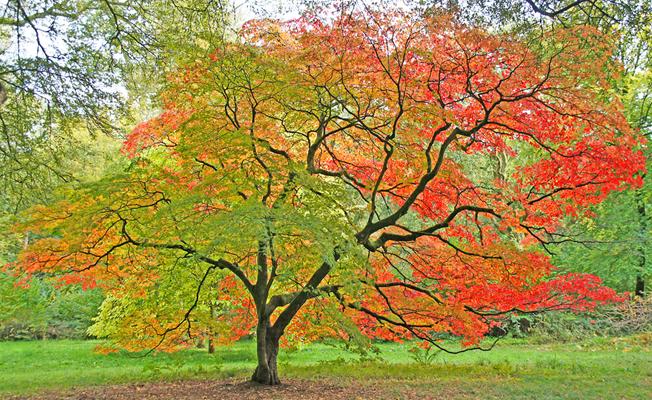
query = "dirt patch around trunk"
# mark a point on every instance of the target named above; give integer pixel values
(237, 389)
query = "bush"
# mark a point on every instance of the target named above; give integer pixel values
(43, 311)
(627, 318)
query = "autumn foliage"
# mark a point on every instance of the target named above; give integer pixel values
(396, 175)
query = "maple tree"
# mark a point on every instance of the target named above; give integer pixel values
(378, 171)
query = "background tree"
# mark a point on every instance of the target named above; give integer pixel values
(340, 166)
(68, 64)
(44, 308)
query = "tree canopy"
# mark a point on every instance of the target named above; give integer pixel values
(387, 172)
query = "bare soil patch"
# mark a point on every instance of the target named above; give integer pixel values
(236, 389)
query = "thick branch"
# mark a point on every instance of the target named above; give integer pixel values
(282, 300)
(413, 235)
(300, 299)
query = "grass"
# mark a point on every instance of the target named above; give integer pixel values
(600, 368)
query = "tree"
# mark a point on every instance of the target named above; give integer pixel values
(350, 167)
(519, 14)
(44, 309)
(67, 64)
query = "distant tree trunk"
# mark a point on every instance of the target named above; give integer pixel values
(3, 94)
(209, 335)
(640, 286)
(642, 218)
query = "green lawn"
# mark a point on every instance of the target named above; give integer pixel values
(601, 368)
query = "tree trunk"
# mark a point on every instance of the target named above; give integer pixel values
(642, 220)
(267, 336)
(267, 350)
(640, 286)
(211, 345)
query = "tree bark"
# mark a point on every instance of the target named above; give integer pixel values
(267, 335)
(640, 286)
(642, 220)
(266, 339)
(266, 372)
